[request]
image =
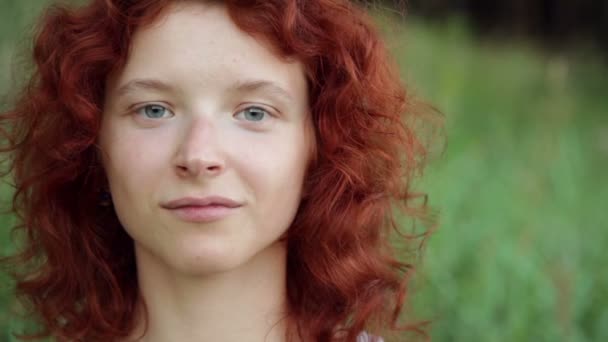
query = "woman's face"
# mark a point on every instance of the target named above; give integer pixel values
(203, 109)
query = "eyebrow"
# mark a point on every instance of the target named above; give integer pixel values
(242, 86)
(250, 86)
(143, 84)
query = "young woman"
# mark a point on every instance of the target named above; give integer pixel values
(212, 171)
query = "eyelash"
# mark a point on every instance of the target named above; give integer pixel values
(139, 110)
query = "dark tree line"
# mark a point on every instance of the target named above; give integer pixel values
(557, 21)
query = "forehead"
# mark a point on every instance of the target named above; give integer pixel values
(198, 42)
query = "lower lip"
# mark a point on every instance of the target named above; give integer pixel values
(203, 214)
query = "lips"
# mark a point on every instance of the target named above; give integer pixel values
(205, 209)
(202, 202)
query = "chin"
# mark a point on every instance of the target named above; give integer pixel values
(204, 259)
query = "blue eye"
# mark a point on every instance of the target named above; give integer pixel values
(254, 113)
(153, 111)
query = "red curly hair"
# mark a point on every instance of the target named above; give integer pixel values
(76, 270)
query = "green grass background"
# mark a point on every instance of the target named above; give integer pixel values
(520, 251)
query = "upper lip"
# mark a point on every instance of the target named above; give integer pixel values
(200, 202)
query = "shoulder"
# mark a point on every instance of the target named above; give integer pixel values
(366, 337)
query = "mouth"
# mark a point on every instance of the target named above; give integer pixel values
(207, 213)
(206, 209)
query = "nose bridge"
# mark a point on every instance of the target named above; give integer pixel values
(198, 133)
(199, 149)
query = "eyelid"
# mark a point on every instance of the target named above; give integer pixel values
(139, 106)
(270, 116)
(273, 112)
(269, 110)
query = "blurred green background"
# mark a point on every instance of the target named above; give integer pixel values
(519, 254)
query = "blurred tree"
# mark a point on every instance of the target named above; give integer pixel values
(556, 21)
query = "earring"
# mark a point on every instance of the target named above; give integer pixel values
(105, 198)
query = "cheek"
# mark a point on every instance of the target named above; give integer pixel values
(132, 160)
(276, 168)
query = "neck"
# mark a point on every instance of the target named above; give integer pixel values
(243, 304)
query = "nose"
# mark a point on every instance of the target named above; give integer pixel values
(199, 153)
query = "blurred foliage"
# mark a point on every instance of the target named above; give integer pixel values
(519, 253)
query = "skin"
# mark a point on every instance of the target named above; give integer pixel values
(187, 116)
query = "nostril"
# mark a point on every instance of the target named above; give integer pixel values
(199, 166)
